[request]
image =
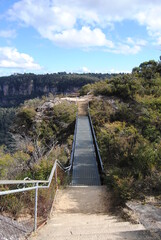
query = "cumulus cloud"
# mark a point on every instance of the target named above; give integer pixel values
(57, 23)
(86, 23)
(11, 58)
(82, 38)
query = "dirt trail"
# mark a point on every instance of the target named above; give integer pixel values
(86, 200)
(83, 108)
(82, 103)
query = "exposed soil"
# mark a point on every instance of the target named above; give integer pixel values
(82, 103)
(82, 108)
(86, 200)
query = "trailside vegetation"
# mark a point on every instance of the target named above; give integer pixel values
(40, 129)
(126, 113)
(41, 132)
(6, 119)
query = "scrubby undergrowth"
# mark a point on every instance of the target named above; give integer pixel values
(126, 114)
(42, 131)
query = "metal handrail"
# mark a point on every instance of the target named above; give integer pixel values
(96, 144)
(35, 187)
(73, 146)
(15, 182)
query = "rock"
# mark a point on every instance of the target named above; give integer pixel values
(12, 230)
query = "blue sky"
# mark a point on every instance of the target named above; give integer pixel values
(43, 36)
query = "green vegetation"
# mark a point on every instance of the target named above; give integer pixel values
(39, 133)
(127, 117)
(6, 120)
(42, 131)
(126, 113)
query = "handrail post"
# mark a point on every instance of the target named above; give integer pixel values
(36, 203)
(56, 177)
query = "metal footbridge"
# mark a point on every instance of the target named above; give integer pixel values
(85, 168)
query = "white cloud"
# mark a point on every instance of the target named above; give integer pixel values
(57, 23)
(46, 16)
(11, 58)
(129, 46)
(8, 33)
(78, 23)
(84, 70)
(140, 42)
(112, 70)
(125, 49)
(82, 38)
(159, 40)
(151, 18)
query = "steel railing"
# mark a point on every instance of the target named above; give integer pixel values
(37, 184)
(73, 146)
(98, 155)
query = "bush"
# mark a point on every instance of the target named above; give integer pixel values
(129, 145)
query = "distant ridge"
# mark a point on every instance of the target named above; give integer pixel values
(17, 88)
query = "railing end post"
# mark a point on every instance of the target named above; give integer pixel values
(36, 203)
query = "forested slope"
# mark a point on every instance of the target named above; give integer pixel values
(15, 89)
(6, 119)
(126, 113)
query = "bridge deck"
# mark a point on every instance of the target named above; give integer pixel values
(85, 170)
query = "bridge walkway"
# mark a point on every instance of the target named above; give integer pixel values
(85, 169)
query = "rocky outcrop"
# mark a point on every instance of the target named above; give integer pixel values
(46, 107)
(11, 229)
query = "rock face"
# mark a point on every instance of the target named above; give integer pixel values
(12, 94)
(15, 89)
(12, 230)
